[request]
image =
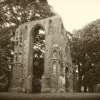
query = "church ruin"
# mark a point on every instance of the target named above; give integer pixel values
(57, 59)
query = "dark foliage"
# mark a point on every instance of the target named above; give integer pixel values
(12, 14)
(86, 53)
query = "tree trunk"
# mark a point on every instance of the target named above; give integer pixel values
(79, 79)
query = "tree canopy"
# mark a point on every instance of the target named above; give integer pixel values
(12, 14)
(86, 52)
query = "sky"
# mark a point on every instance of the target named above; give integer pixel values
(76, 13)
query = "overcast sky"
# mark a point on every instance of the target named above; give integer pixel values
(76, 13)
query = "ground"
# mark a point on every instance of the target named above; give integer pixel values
(63, 96)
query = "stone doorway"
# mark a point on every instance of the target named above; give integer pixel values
(38, 46)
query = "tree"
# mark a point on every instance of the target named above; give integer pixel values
(12, 14)
(19, 11)
(85, 52)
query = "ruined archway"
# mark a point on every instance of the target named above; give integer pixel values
(38, 47)
(31, 44)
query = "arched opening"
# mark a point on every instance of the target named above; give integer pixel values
(38, 45)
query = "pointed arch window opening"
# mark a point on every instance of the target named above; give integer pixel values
(38, 46)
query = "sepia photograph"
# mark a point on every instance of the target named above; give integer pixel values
(49, 50)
